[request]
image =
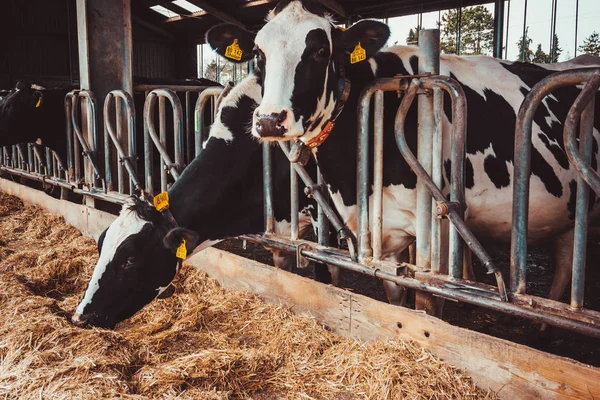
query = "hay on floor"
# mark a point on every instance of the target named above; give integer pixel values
(202, 343)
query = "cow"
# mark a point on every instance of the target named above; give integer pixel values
(220, 194)
(29, 113)
(302, 58)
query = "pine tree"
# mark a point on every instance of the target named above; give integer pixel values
(476, 26)
(413, 36)
(540, 56)
(591, 44)
(525, 53)
(556, 51)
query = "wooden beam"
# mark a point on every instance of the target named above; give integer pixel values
(176, 9)
(151, 27)
(223, 16)
(334, 6)
(512, 370)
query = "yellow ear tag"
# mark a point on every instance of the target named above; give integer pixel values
(181, 250)
(161, 201)
(39, 102)
(359, 54)
(233, 51)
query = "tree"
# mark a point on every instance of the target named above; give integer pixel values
(413, 36)
(476, 31)
(540, 56)
(555, 51)
(591, 44)
(525, 53)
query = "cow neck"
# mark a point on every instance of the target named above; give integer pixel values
(344, 87)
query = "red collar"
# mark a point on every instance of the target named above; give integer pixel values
(320, 138)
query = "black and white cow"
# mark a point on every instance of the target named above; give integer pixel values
(31, 114)
(220, 194)
(301, 57)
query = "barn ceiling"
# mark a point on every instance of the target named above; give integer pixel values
(192, 18)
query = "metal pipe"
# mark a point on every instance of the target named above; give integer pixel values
(581, 212)
(162, 129)
(175, 88)
(268, 188)
(437, 177)
(93, 125)
(294, 206)
(523, 44)
(377, 218)
(119, 123)
(323, 222)
(445, 291)
(522, 167)
(498, 28)
(429, 62)
(453, 210)
(107, 152)
(203, 99)
(576, 24)
(189, 138)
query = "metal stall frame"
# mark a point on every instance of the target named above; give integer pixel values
(160, 140)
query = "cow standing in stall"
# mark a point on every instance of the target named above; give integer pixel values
(302, 58)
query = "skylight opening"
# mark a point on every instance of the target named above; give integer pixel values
(167, 13)
(187, 5)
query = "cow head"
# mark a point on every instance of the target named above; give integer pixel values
(300, 56)
(136, 264)
(17, 113)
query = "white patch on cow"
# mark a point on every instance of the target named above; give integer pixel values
(247, 87)
(374, 66)
(282, 40)
(325, 112)
(128, 223)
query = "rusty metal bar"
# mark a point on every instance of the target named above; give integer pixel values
(377, 218)
(522, 166)
(452, 210)
(583, 111)
(268, 188)
(294, 204)
(436, 175)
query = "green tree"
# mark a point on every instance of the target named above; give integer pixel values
(413, 36)
(476, 31)
(555, 52)
(540, 56)
(525, 52)
(591, 44)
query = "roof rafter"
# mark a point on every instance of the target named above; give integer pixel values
(336, 7)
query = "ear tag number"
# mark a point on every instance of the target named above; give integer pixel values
(358, 54)
(181, 252)
(161, 201)
(39, 102)
(233, 51)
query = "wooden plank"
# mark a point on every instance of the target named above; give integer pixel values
(87, 220)
(511, 370)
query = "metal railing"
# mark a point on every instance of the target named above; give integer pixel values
(579, 155)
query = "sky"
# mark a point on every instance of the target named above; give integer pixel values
(539, 15)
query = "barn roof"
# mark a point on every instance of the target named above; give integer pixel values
(192, 18)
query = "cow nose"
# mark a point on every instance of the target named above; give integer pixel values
(271, 124)
(79, 320)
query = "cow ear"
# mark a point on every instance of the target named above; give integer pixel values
(175, 236)
(231, 42)
(367, 35)
(37, 98)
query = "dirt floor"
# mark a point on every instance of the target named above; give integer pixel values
(539, 279)
(202, 343)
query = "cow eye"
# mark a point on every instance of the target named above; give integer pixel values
(260, 56)
(323, 52)
(129, 263)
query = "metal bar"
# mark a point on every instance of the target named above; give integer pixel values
(323, 222)
(522, 166)
(453, 211)
(119, 123)
(576, 24)
(189, 145)
(443, 291)
(294, 206)
(176, 88)
(437, 177)
(429, 62)
(581, 213)
(268, 188)
(162, 129)
(498, 28)
(362, 176)
(507, 29)
(203, 99)
(524, 37)
(89, 153)
(377, 217)
(107, 151)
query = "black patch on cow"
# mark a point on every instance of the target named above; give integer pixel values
(555, 149)
(309, 77)
(316, 123)
(414, 64)
(497, 171)
(469, 173)
(572, 204)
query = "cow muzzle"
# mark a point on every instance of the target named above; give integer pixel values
(271, 125)
(80, 320)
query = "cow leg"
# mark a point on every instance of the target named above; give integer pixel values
(564, 263)
(396, 294)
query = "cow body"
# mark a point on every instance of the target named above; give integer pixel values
(219, 195)
(301, 58)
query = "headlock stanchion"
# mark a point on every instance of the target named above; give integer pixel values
(579, 155)
(160, 142)
(199, 124)
(127, 160)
